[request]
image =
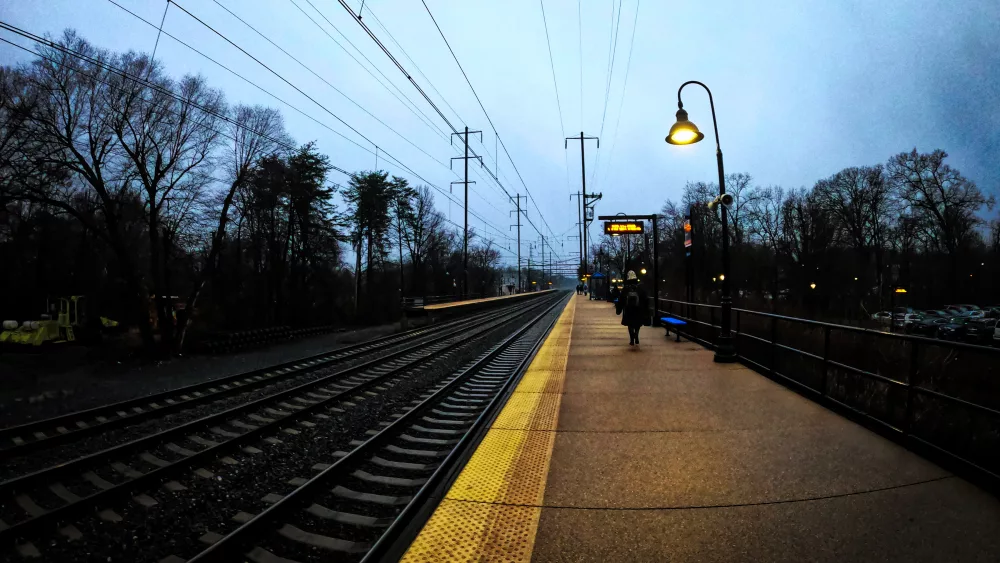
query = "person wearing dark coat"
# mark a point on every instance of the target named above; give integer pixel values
(615, 294)
(633, 306)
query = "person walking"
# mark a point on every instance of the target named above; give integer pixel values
(633, 306)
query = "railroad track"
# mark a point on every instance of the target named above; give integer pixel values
(18, 441)
(60, 497)
(356, 508)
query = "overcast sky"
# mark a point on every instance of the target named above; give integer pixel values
(802, 88)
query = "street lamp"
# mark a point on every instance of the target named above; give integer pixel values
(684, 132)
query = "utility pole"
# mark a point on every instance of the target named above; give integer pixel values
(583, 200)
(529, 267)
(543, 260)
(517, 202)
(465, 237)
(579, 222)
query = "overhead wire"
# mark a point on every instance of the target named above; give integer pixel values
(140, 80)
(621, 103)
(325, 81)
(416, 111)
(423, 93)
(555, 85)
(612, 55)
(247, 80)
(552, 65)
(295, 87)
(415, 65)
(490, 120)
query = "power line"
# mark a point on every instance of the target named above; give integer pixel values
(552, 65)
(216, 114)
(409, 106)
(621, 103)
(409, 77)
(325, 81)
(282, 78)
(405, 54)
(612, 55)
(579, 25)
(139, 80)
(247, 80)
(474, 93)
(324, 108)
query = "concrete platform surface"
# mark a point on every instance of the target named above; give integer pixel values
(655, 453)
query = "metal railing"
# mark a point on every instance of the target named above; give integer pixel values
(939, 397)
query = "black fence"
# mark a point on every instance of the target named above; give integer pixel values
(934, 396)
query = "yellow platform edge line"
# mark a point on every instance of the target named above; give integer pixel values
(476, 520)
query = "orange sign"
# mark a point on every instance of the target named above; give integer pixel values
(622, 228)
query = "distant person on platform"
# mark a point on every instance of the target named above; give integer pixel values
(616, 293)
(632, 306)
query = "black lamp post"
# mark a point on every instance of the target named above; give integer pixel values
(686, 133)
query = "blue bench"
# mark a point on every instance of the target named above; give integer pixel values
(675, 322)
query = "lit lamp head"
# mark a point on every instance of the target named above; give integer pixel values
(684, 132)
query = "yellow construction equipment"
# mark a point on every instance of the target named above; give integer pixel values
(59, 330)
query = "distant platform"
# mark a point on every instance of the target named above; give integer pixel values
(606, 452)
(468, 302)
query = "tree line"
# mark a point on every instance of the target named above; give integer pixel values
(175, 210)
(843, 249)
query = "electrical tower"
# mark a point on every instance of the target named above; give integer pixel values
(517, 202)
(583, 189)
(466, 182)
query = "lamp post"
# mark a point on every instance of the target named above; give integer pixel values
(686, 133)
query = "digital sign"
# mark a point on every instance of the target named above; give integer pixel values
(623, 228)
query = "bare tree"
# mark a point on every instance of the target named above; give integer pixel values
(422, 231)
(863, 203)
(70, 129)
(946, 201)
(765, 222)
(168, 133)
(254, 131)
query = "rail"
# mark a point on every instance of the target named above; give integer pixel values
(938, 397)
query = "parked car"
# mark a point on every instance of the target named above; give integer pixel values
(928, 326)
(996, 335)
(980, 331)
(980, 314)
(992, 312)
(909, 319)
(956, 310)
(900, 316)
(883, 318)
(936, 313)
(954, 329)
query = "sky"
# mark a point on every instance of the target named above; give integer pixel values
(802, 89)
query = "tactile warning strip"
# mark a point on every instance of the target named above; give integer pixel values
(476, 520)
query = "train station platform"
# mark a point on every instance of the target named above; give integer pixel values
(606, 452)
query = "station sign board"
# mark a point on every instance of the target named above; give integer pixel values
(624, 227)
